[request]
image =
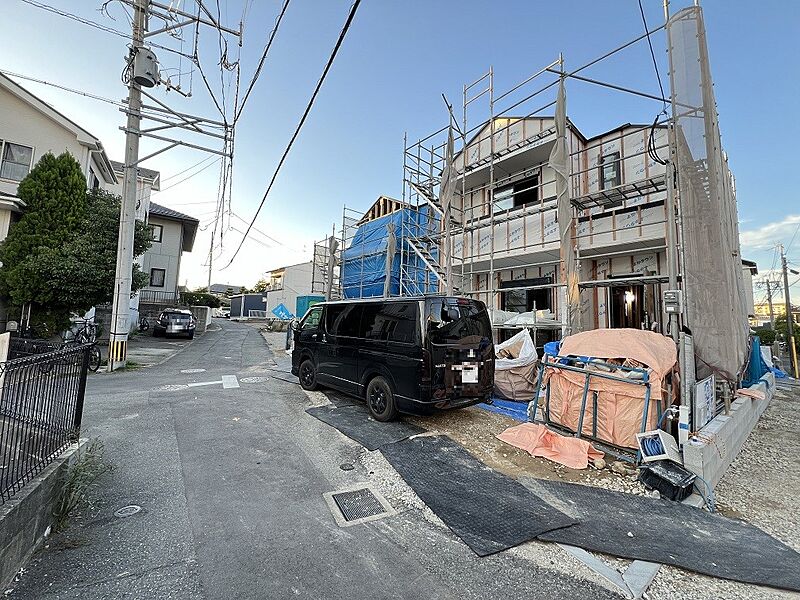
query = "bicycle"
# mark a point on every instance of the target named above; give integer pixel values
(87, 334)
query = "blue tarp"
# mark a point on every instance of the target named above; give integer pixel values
(516, 410)
(757, 366)
(364, 260)
(282, 312)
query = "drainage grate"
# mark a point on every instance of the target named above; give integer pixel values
(357, 505)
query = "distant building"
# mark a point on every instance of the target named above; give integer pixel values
(286, 284)
(225, 290)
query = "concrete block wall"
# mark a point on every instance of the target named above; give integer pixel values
(203, 316)
(27, 516)
(723, 438)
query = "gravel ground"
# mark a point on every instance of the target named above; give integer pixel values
(761, 487)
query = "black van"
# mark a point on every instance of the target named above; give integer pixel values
(410, 354)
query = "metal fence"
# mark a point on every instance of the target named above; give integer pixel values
(42, 387)
(159, 297)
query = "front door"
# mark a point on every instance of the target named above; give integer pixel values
(627, 306)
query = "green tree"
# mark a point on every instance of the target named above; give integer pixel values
(61, 255)
(261, 286)
(782, 330)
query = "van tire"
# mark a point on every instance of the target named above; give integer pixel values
(308, 375)
(380, 400)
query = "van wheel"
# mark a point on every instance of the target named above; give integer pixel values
(380, 400)
(308, 375)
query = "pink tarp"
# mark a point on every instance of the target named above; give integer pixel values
(619, 404)
(538, 440)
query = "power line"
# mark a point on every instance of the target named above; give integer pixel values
(328, 65)
(653, 56)
(261, 61)
(198, 163)
(95, 24)
(64, 88)
(169, 187)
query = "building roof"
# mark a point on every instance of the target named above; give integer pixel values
(189, 223)
(221, 288)
(750, 265)
(149, 175)
(84, 137)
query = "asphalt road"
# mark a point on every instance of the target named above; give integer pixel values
(230, 481)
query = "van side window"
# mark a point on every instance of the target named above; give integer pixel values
(343, 319)
(394, 321)
(311, 320)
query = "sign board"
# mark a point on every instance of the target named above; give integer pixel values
(704, 401)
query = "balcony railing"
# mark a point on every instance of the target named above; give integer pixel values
(171, 297)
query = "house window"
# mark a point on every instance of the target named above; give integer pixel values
(521, 193)
(157, 277)
(158, 232)
(610, 172)
(94, 182)
(16, 163)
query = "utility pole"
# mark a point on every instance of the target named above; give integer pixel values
(120, 316)
(789, 316)
(771, 308)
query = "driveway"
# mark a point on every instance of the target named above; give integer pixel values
(230, 473)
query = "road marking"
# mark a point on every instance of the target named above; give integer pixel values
(192, 370)
(229, 382)
(205, 383)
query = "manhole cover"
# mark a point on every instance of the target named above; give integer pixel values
(192, 370)
(357, 505)
(254, 379)
(127, 511)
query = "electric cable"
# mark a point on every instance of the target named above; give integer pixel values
(169, 187)
(95, 24)
(651, 145)
(325, 71)
(261, 60)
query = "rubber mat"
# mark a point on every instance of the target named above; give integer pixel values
(487, 510)
(670, 533)
(354, 421)
(340, 399)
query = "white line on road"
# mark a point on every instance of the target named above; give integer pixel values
(205, 383)
(229, 381)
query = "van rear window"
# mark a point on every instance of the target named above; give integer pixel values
(472, 321)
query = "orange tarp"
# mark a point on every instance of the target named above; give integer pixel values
(538, 440)
(619, 404)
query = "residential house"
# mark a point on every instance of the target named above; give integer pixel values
(286, 284)
(30, 128)
(173, 234)
(147, 181)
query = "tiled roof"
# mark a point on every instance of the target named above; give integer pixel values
(145, 173)
(168, 213)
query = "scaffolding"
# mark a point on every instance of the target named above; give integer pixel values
(504, 215)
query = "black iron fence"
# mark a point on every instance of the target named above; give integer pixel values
(42, 387)
(158, 297)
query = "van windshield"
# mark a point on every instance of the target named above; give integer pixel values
(470, 325)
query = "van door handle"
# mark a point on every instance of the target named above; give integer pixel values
(313, 336)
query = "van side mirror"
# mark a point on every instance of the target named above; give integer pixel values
(294, 325)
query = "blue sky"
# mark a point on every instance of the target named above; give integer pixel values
(388, 78)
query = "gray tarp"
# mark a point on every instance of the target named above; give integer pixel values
(559, 162)
(715, 307)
